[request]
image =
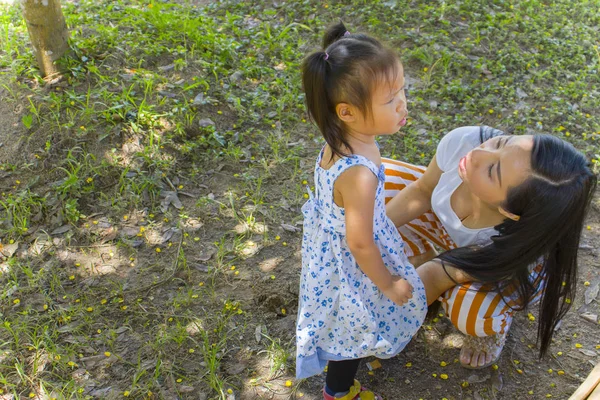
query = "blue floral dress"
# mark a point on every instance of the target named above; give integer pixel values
(342, 314)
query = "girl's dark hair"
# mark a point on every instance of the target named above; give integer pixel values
(345, 71)
(552, 204)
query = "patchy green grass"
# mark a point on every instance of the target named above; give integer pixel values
(142, 198)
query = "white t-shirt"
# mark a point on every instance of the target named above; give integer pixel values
(455, 145)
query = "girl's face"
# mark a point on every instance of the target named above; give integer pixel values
(388, 109)
(500, 163)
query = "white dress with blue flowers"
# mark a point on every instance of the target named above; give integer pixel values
(342, 314)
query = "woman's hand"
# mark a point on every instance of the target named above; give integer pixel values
(399, 291)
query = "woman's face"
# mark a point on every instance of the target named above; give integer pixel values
(500, 163)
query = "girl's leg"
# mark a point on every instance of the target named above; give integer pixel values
(341, 385)
(340, 375)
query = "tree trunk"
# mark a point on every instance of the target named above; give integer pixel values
(47, 32)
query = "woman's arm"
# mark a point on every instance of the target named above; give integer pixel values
(356, 189)
(415, 199)
(437, 281)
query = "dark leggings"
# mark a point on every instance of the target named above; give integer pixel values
(340, 374)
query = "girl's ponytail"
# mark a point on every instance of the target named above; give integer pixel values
(334, 33)
(321, 108)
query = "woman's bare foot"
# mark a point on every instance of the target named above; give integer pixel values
(481, 352)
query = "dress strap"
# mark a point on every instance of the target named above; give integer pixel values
(347, 162)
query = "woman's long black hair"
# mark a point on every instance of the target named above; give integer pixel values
(552, 204)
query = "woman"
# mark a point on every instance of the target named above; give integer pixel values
(507, 211)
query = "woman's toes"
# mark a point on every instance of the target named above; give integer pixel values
(475, 359)
(482, 357)
(488, 358)
(466, 356)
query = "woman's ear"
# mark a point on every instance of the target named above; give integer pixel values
(508, 214)
(345, 112)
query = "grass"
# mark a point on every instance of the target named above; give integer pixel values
(125, 293)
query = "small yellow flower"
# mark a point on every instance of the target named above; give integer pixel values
(219, 112)
(57, 357)
(107, 353)
(305, 195)
(568, 301)
(443, 364)
(491, 111)
(31, 395)
(72, 277)
(201, 284)
(272, 277)
(560, 353)
(284, 244)
(288, 383)
(45, 306)
(95, 222)
(89, 309)
(444, 376)
(550, 370)
(589, 228)
(236, 273)
(125, 217)
(71, 364)
(123, 308)
(158, 250)
(567, 134)
(196, 239)
(77, 265)
(283, 311)
(408, 365)
(179, 380)
(16, 301)
(191, 351)
(99, 331)
(561, 372)
(126, 393)
(229, 391)
(89, 180)
(18, 182)
(425, 69)
(305, 182)
(434, 375)
(495, 367)
(530, 392)
(520, 371)
(277, 237)
(232, 268)
(531, 317)
(578, 345)
(103, 301)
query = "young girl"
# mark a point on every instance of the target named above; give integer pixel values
(359, 295)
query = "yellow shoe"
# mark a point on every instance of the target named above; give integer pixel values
(356, 392)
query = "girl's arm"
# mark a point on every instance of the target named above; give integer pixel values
(415, 199)
(437, 281)
(355, 189)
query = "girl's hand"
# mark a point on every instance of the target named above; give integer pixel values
(399, 291)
